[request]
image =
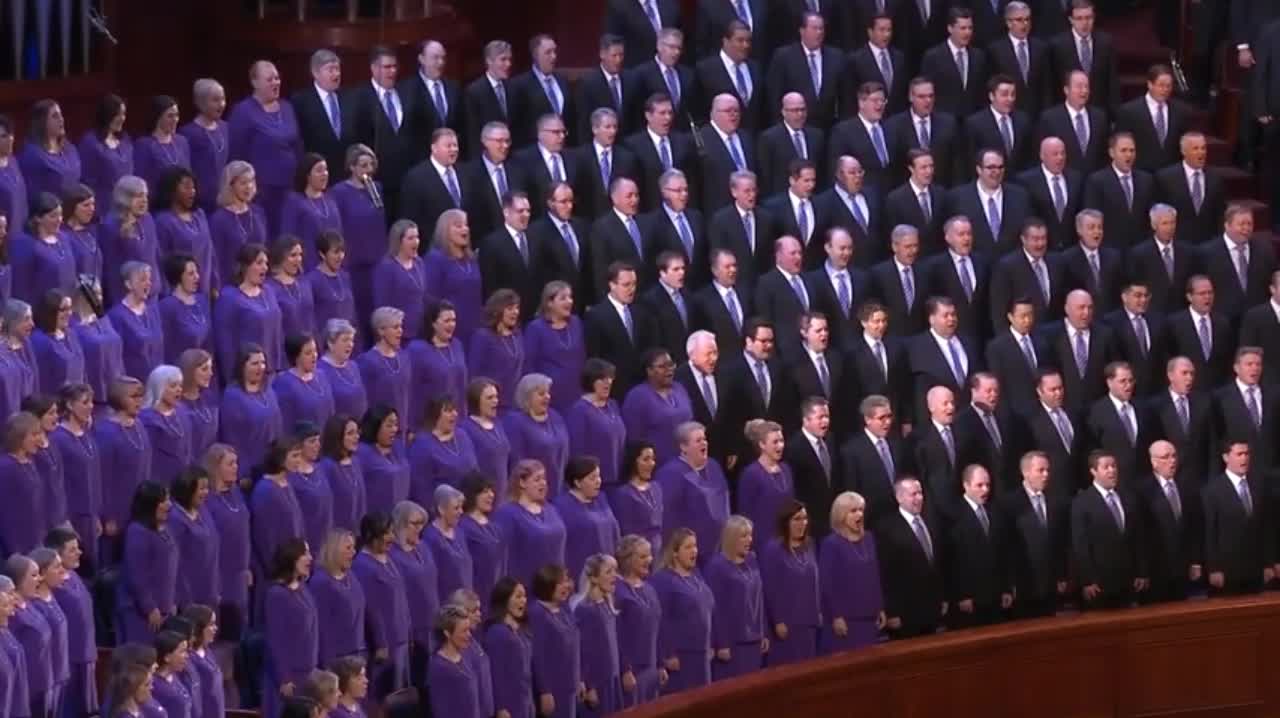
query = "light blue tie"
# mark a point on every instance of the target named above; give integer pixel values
(877, 139)
(856, 210)
(993, 218)
(709, 395)
(678, 299)
(442, 105)
(731, 304)
(744, 14)
(633, 229)
(735, 152)
(957, 364)
(749, 225)
(740, 76)
(802, 220)
(606, 170)
(664, 153)
(673, 86)
(503, 187)
(335, 116)
(571, 241)
(626, 322)
(652, 13)
(686, 236)
(801, 295)
(557, 170)
(814, 73)
(452, 184)
(842, 293)
(886, 458)
(615, 89)
(1059, 197)
(388, 102)
(553, 94)
(824, 376)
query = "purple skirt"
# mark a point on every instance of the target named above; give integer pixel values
(695, 671)
(390, 675)
(744, 658)
(801, 645)
(862, 633)
(648, 688)
(81, 697)
(48, 703)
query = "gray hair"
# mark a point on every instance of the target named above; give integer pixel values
(395, 236)
(903, 231)
(684, 431)
(494, 48)
(548, 119)
(127, 188)
(6, 584)
(952, 221)
(702, 335)
(872, 402)
(445, 495)
(335, 328)
(492, 127)
(670, 32)
(1160, 208)
(160, 378)
(404, 512)
(323, 56)
(599, 115)
(234, 170)
(741, 176)
(463, 598)
(672, 174)
(1016, 6)
(528, 384)
(1084, 214)
(384, 317)
(203, 89)
(44, 557)
(15, 311)
(133, 268)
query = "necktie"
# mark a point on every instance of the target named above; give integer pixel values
(762, 379)
(949, 442)
(1166, 256)
(922, 535)
(1024, 60)
(1006, 132)
(812, 5)
(957, 362)
(615, 90)
(1255, 409)
(1028, 352)
(798, 288)
(1206, 337)
(886, 68)
(802, 220)
(678, 299)
(1184, 414)
(966, 279)
(633, 229)
(877, 140)
(571, 241)
(388, 103)
(1175, 502)
(501, 175)
(744, 14)
(1246, 498)
(842, 293)
(442, 105)
(664, 153)
(993, 217)
(881, 361)
(1140, 331)
(797, 139)
(606, 168)
(815, 72)
(335, 116)
(557, 171)
(926, 207)
(1086, 55)
(924, 134)
(1059, 197)
(824, 376)
(886, 458)
(1095, 270)
(879, 7)
(500, 91)
(749, 225)
(856, 210)
(1126, 184)
(1113, 503)
(709, 395)
(983, 520)
(626, 322)
(1197, 190)
(673, 86)
(1162, 127)
(652, 13)
(1064, 428)
(1042, 280)
(451, 183)
(923, 5)
(740, 79)
(1242, 266)
(962, 64)
(735, 152)
(1082, 132)
(554, 96)
(1130, 428)
(993, 429)
(824, 458)
(1082, 354)
(1038, 502)
(523, 245)
(735, 313)
(686, 236)
(908, 287)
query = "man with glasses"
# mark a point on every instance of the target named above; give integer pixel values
(547, 161)
(663, 72)
(996, 209)
(1022, 57)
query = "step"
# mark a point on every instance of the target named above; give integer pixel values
(1139, 59)
(1239, 184)
(1261, 212)
(1220, 151)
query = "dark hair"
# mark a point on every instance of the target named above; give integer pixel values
(175, 265)
(38, 405)
(475, 389)
(473, 484)
(497, 304)
(200, 616)
(631, 456)
(73, 195)
(304, 429)
(373, 420)
(299, 706)
(187, 484)
(303, 173)
(331, 436)
(579, 468)
(45, 313)
(285, 558)
(245, 256)
(346, 668)
(616, 269)
(500, 596)
(167, 187)
(652, 355)
(146, 500)
(40, 204)
(373, 527)
(434, 310)
(40, 111)
(436, 406)
(377, 52)
(595, 369)
(247, 350)
(59, 536)
(108, 107)
(273, 462)
(281, 248)
(167, 643)
(546, 580)
(295, 343)
(160, 104)
(329, 240)
(958, 13)
(754, 325)
(786, 511)
(179, 625)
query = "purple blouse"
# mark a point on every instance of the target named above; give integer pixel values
(186, 326)
(103, 166)
(499, 358)
(103, 355)
(697, 499)
(849, 574)
(386, 476)
(40, 265)
(49, 172)
(332, 297)
(60, 360)
(437, 371)
(240, 319)
(590, 528)
(143, 338)
(651, 417)
(388, 380)
(84, 244)
(599, 432)
(310, 401)
(546, 441)
(457, 280)
(230, 231)
(434, 462)
(82, 476)
(117, 248)
(203, 413)
(22, 513)
(762, 494)
(316, 501)
(153, 158)
(305, 218)
(210, 149)
(18, 377)
(488, 553)
(349, 398)
(493, 452)
(511, 659)
(249, 421)
(346, 484)
(194, 238)
(541, 538)
(13, 195)
(558, 353)
(170, 442)
(404, 289)
(231, 517)
(125, 464)
(422, 589)
(639, 512)
(452, 560)
(342, 603)
(197, 541)
(297, 306)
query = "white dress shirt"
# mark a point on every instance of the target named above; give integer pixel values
(381, 93)
(731, 68)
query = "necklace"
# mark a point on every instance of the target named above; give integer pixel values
(446, 351)
(563, 336)
(320, 205)
(335, 285)
(392, 362)
(509, 344)
(87, 444)
(129, 432)
(231, 505)
(196, 406)
(170, 426)
(169, 150)
(451, 445)
(215, 134)
(245, 231)
(414, 270)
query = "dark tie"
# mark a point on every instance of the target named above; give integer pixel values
(1082, 133)
(881, 361)
(993, 217)
(1006, 133)
(908, 288)
(762, 379)
(388, 103)
(335, 116)
(1082, 354)
(949, 441)
(824, 458)
(1242, 265)
(1206, 337)
(523, 245)
(1024, 61)
(802, 220)
(678, 299)
(1162, 127)
(1113, 503)
(1126, 184)
(797, 139)
(990, 421)
(842, 292)
(1166, 256)
(815, 74)
(886, 68)
(1255, 410)
(1175, 501)
(1246, 497)
(983, 520)
(442, 106)
(1096, 271)
(1038, 502)
(922, 535)
(824, 376)
(926, 207)
(1184, 414)
(1130, 428)
(1140, 331)
(553, 96)
(709, 395)
(740, 75)
(886, 458)
(1042, 279)
(615, 89)
(1086, 55)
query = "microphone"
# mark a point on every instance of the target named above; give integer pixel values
(1179, 76)
(371, 187)
(99, 22)
(698, 144)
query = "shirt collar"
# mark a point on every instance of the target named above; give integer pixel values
(600, 149)
(1119, 405)
(1235, 479)
(1105, 493)
(493, 81)
(1048, 177)
(973, 505)
(951, 46)
(608, 76)
(1080, 38)
(324, 94)
(656, 138)
(618, 307)
(908, 516)
(729, 64)
(722, 290)
(833, 272)
(1244, 388)
(622, 217)
(1121, 173)
(809, 437)
(997, 194)
(440, 169)
(915, 188)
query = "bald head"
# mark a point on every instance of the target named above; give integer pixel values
(625, 196)
(941, 403)
(1053, 154)
(726, 113)
(794, 110)
(1164, 459)
(1079, 308)
(788, 254)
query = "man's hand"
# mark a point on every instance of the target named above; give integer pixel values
(1244, 58)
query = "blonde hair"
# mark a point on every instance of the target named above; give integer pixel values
(332, 549)
(673, 543)
(735, 527)
(844, 503)
(628, 549)
(230, 174)
(757, 430)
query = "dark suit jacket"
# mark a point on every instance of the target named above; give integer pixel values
(1104, 85)
(870, 376)
(869, 243)
(776, 149)
(1176, 541)
(424, 197)
(606, 337)
(713, 79)
(1048, 18)
(865, 473)
(1080, 391)
(590, 193)
(721, 435)
(1194, 227)
(930, 368)
(1055, 121)
(1103, 553)
(788, 14)
(370, 126)
(649, 79)
(850, 137)
(1220, 265)
(611, 242)
(942, 280)
(555, 262)
(1148, 367)
(711, 314)
(480, 198)
(1168, 294)
(776, 300)
(1017, 208)
(902, 206)
(664, 236)
(1077, 274)
(713, 16)
(480, 107)
(813, 488)
(317, 133)
(805, 383)
(1066, 467)
(913, 586)
(978, 566)
(1231, 420)
(1259, 328)
(672, 329)
(789, 72)
(538, 176)
(1013, 278)
(862, 66)
(1153, 155)
(1182, 338)
(528, 98)
(1039, 552)
(627, 20)
(502, 267)
(982, 131)
(949, 154)
(1108, 433)
(422, 117)
(826, 299)
(954, 95)
(726, 231)
(1237, 543)
(1001, 461)
(1017, 378)
(1062, 230)
(746, 400)
(650, 164)
(886, 285)
(1123, 225)
(717, 166)
(786, 223)
(913, 34)
(1194, 442)
(592, 92)
(1035, 90)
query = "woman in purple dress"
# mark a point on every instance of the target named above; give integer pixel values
(106, 152)
(172, 657)
(138, 321)
(852, 602)
(146, 592)
(167, 424)
(129, 235)
(330, 284)
(125, 460)
(399, 279)
(82, 473)
(162, 149)
(537, 431)
(738, 633)
(12, 660)
(353, 687)
(637, 504)
(231, 517)
(303, 392)
(194, 531)
(22, 514)
(639, 617)
(249, 417)
(364, 222)
(237, 221)
(590, 525)
(208, 139)
(57, 351)
(49, 159)
(684, 636)
(102, 345)
(264, 133)
(553, 344)
(481, 533)
(129, 688)
(440, 455)
(297, 306)
(185, 315)
(247, 312)
(48, 459)
(557, 670)
(493, 449)
(311, 486)
(80, 228)
(34, 634)
(308, 211)
(597, 617)
(274, 512)
(510, 647)
(475, 655)
(292, 626)
(448, 546)
(40, 257)
(453, 273)
(385, 369)
(341, 372)
(339, 441)
(339, 598)
(595, 421)
(210, 699)
(439, 362)
(6, 273)
(13, 188)
(387, 614)
(182, 228)
(455, 687)
(81, 696)
(766, 484)
(52, 576)
(382, 459)
(417, 565)
(652, 409)
(792, 598)
(199, 399)
(19, 377)
(496, 349)
(530, 522)
(695, 494)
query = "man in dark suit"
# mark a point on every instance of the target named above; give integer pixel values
(1239, 263)
(487, 98)
(1246, 410)
(1081, 348)
(782, 295)
(1174, 519)
(1196, 191)
(547, 161)
(789, 15)
(961, 274)
(1050, 17)
(1057, 432)
(910, 546)
(487, 178)
(562, 245)
(667, 305)
(1082, 127)
(435, 184)
(618, 331)
(810, 68)
(1055, 191)
(1038, 528)
(1260, 327)
(1163, 262)
(1092, 267)
(539, 92)
(838, 288)
(728, 150)
(919, 127)
(1108, 553)
(852, 206)
(979, 574)
(431, 100)
(895, 282)
(1201, 334)
(1183, 416)
(958, 70)
(507, 258)
(997, 209)
(664, 74)
(744, 230)
(1013, 356)
(732, 72)
(719, 307)
(706, 390)
(324, 120)
(1265, 92)
(1083, 48)
(605, 85)
(863, 137)
(618, 236)
(1239, 546)
(1138, 335)
(917, 201)
(658, 149)
(940, 356)
(378, 119)
(1156, 120)
(1121, 193)
(875, 61)
(878, 361)
(816, 369)
(1000, 124)
(786, 142)
(811, 454)
(1253, 36)
(1114, 422)
(676, 227)
(988, 430)
(756, 384)
(715, 16)
(640, 25)
(1034, 273)
(795, 212)
(597, 162)
(1024, 58)
(873, 458)
(920, 26)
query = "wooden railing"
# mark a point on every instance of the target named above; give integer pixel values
(302, 10)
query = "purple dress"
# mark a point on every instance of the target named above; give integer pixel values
(185, 326)
(292, 646)
(590, 528)
(850, 582)
(211, 700)
(305, 218)
(501, 359)
(685, 632)
(422, 590)
(103, 355)
(346, 485)
(387, 623)
(48, 461)
(546, 441)
(60, 360)
(197, 540)
(153, 158)
(694, 499)
(173, 696)
(404, 289)
(102, 166)
(84, 245)
(599, 432)
(13, 195)
(231, 517)
(82, 477)
(193, 238)
(35, 635)
(310, 401)
(18, 377)
(76, 602)
(349, 397)
(60, 666)
(557, 665)
(118, 248)
(639, 618)
(738, 622)
(453, 561)
(364, 228)
(493, 453)
(47, 172)
(478, 659)
(511, 659)
(203, 413)
(297, 307)
(342, 603)
(275, 516)
(791, 597)
(316, 502)
(249, 421)
(540, 538)
(241, 319)
(333, 299)
(386, 476)
(436, 372)
(388, 382)
(488, 554)
(433, 462)
(558, 353)
(639, 512)
(761, 494)
(650, 417)
(148, 581)
(21, 679)
(143, 337)
(271, 143)
(455, 688)
(22, 513)
(457, 280)
(210, 150)
(125, 463)
(39, 265)
(170, 438)
(601, 669)
(230, 231)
